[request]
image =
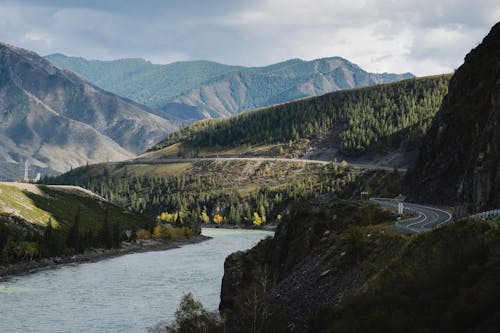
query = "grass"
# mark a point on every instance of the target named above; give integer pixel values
(440, 281)
(61, 207)
(266, 150)
(167, 169)
(20, 203)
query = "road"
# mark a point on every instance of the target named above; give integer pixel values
(149, 160)
(427, 218)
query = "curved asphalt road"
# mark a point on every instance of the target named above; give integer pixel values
(427, 218)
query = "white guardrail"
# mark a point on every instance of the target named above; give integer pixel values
(485, 215)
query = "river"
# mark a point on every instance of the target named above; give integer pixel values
(123, 294)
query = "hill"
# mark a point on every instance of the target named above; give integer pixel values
(458, 163)
(375, 122)
(340, 267)
(57, 120)
(194, 90)
(43, 221)
(232, 189)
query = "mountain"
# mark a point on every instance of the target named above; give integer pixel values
(384, 123)
(194, 90)
(238, 91)
(459, 161)
(58, 120)
(140, 80)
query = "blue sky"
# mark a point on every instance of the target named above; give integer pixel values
(423, 37)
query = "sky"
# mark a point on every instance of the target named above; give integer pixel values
(419, 36)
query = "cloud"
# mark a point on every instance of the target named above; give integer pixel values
(424, 37)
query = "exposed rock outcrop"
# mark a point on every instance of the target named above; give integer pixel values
(306, 265)
(459, 161)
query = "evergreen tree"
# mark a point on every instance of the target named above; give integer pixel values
(106, 235)
(74, 239)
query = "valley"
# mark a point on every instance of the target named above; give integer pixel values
(301, 196)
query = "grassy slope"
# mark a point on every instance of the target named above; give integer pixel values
(441, 281)
(37, 206)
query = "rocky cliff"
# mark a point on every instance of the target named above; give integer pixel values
(314, 259)
(459, 161)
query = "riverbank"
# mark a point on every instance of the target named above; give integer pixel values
(93, 255)
(267, 227)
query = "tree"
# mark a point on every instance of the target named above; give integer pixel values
(117, 234)
(4, 235)
(257, 220)
(218, 219)
(73, 240)
(156, 232)
(192, 317)
(204, 216)
(106, 235)
(262, 213)
(355, 244)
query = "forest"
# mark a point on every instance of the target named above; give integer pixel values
(210, 192)
(74, 224)
(364, 119)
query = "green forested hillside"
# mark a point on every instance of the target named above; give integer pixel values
(235, 190)
(359, 120)
(44, 221)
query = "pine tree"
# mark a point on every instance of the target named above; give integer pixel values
(74, 239)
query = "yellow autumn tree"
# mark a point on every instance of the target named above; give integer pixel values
(204, 217)
(257, 220)
(156, 232)
(217, 219)
(166, 217)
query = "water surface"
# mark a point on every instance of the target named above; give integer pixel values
(124, 294)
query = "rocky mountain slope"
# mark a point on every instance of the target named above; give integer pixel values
(195, 90)
(459, 162)
(244, 90)
(57, 120)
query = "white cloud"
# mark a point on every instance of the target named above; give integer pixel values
(421, 36)
(38, 37)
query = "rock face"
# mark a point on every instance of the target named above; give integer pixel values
(459, 161)
(57, 120)
(194, 90)
(301, 268)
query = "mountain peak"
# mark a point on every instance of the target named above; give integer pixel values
(209, 89)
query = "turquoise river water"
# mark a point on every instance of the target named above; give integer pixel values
(123, 294)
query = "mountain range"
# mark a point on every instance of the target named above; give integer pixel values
(194, 90)
(57, 120)
(57, 112)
